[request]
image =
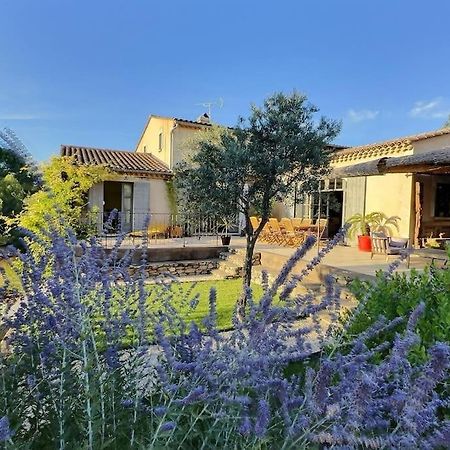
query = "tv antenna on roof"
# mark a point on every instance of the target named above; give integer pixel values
(218, 103)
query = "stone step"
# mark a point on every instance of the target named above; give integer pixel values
(231, 264)
(273, 263)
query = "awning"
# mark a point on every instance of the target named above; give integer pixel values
(437, 162)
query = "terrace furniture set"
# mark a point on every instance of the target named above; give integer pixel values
(289, 232)
(387, 246)
(157, 231)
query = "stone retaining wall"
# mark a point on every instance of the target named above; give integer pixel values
(177, 268)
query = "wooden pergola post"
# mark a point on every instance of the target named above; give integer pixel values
(418, 214)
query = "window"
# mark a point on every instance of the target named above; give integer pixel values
(333, 184)
(145, 149)
(160, 141)
(442, 200)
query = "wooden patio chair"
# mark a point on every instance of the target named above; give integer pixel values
(318, 229)
(175, 231)
(321, 224)
(303, 225)
(264, 236)
(255, 222)
(296, 222)
(276, 232)
(297, 237)
(384, 245)
(156, 230)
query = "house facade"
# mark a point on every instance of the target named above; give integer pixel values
(419, 193)
(137, 189)
(415, 185)
(166, 137)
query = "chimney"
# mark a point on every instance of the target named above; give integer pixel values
(204, 118)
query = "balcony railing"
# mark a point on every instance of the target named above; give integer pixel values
(160, 228)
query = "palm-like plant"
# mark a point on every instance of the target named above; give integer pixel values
(364, 224)
(381, 223)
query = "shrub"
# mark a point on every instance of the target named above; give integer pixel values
(63, 199)
(67, 380)
(399, 296)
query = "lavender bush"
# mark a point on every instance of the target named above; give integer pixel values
(93, 360)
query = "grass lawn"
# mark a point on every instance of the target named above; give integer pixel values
(228, 292)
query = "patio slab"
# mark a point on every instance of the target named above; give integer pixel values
(348, 260)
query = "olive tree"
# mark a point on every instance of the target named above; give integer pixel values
(281, 145)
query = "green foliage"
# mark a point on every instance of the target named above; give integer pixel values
(18, 179)
(198, 171)
(63, 201)
(172, 197)
(280, 146)
(373, 222)
(399, 296)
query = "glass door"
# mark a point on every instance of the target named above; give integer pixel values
(127, 207)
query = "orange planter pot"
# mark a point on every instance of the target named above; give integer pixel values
(365, 243)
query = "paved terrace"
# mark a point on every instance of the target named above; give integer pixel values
(342, 258)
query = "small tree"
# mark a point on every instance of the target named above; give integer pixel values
(63, 199)
(18, 179)
(261, 161)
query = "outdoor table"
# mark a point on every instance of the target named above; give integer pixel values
(434, 254)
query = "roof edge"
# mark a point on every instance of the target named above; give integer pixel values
(405, 140)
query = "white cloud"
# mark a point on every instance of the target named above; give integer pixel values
(361, 115)
(432, 109)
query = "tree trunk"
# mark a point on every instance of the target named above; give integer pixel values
(251, 236)
(248, 263)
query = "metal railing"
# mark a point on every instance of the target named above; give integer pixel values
(161, 228)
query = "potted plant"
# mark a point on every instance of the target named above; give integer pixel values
(381, 223)
(227, 221)
(363, 224)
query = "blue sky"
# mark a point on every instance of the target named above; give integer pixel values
(90, 72)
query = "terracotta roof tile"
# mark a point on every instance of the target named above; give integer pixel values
(193, 123)
(118, 160)
(398, 145)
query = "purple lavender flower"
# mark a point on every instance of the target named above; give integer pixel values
(245, 427)
(160, 411)
(168, 426)
(262, 418)
(5, 431)
(354, 394)
(127, 403)
(31, 381)
(194, 395)
(112, 357)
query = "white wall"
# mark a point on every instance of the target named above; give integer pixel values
(391, 194)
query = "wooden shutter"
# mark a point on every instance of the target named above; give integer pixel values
(354, 197)
(141, 204)
(95, 199)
